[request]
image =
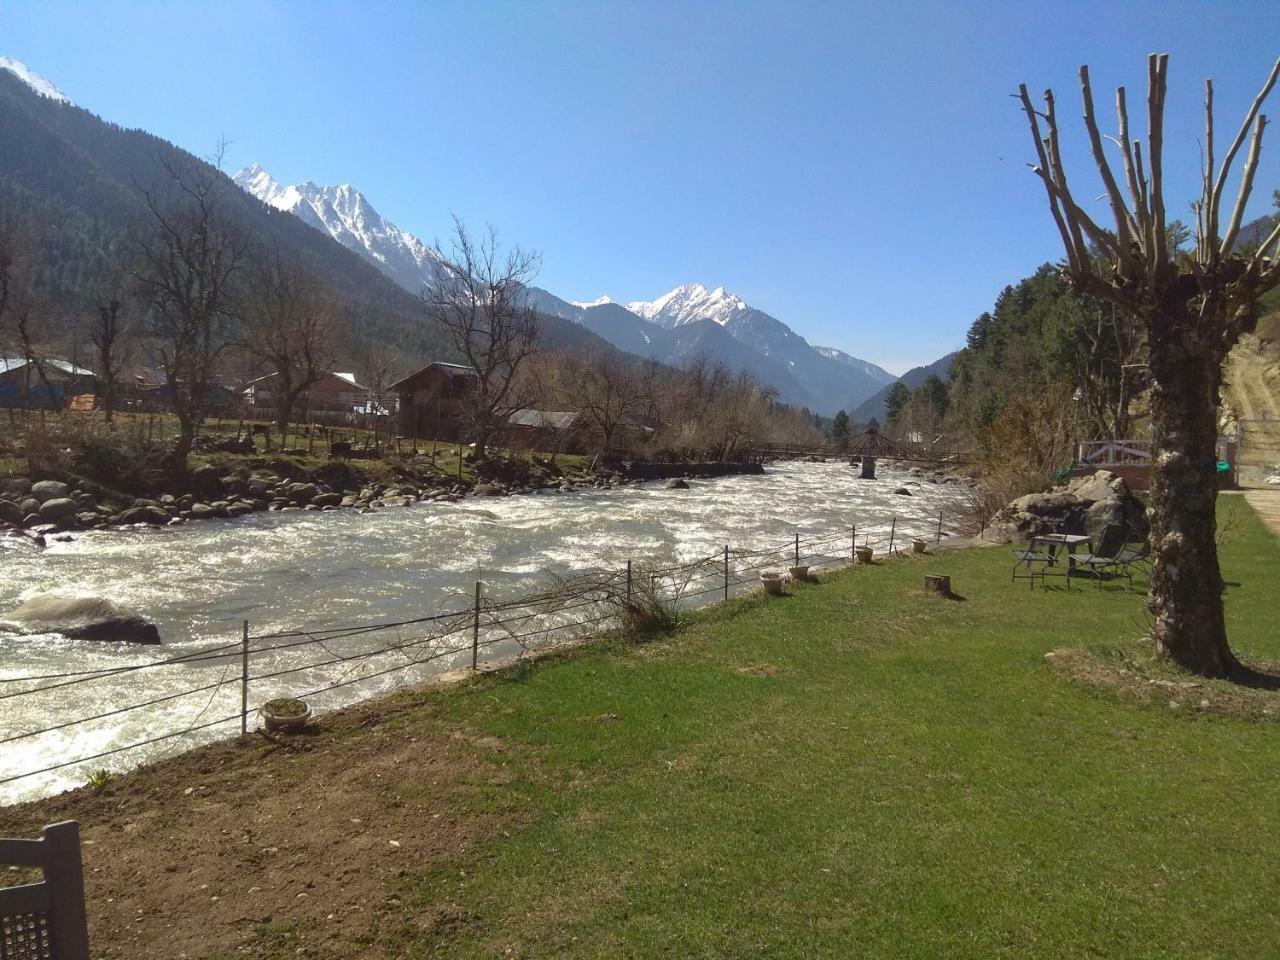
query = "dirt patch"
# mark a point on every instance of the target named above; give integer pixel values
(294, 846)
(1136, 673)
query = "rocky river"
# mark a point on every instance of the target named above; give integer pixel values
(296, 576)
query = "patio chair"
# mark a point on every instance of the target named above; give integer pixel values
(45, 920)
(1110, 554)
(1025, 558)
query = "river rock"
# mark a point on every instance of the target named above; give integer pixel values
(10, 512)
(206, 478)
(327, 499)
(903, 492)
(29, 506)
(49, 490)
(152, 515)
(676, 483)
(302, 493)
(82, 618)
(487, 490)
(59, 508)
(202, 511)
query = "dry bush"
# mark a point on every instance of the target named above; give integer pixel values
(1027, 443)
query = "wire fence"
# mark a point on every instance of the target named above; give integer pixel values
(320, 665)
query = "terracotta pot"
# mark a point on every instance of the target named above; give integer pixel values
(863, 554)
(772, 584)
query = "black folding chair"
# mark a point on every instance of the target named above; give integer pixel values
(46, 920)
(1109, 555)
(1025, 559)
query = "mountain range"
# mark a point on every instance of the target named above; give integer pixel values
(687, 322)
(76, 177)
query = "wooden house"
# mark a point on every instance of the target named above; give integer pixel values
(334, 398)
(433, 401)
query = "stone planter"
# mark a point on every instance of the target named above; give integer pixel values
(800, 572)
(863, 554)
(285, 715)
(772, 584)
(918, 545)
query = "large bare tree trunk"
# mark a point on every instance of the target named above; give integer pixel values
(1195, 307)
(1185, 598)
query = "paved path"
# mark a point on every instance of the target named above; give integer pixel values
(1267, 505)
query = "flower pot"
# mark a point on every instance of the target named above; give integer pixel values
(918, 545)
(772, 583)
(800, 572)
(285, 715)
(863, 554)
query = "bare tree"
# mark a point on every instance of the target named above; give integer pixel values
(380, 366)
(287, 326)
(609, 391)
(479, 299)
(1194, 308)
(111, 335)
(186, 257)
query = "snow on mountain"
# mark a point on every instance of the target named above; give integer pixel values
(345, 214)
(690, 302)
(687, 321)
(33, 80)
(870, 369)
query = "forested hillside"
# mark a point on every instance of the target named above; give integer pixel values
(76, 180)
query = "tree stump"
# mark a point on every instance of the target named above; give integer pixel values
(936, 586)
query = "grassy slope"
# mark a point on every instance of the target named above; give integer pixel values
(858, 771)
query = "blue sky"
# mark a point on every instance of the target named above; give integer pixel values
(855, 169)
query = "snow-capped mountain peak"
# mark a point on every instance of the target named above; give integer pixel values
(345, 214)
(690, 302)
(33, 80)
(598, 302)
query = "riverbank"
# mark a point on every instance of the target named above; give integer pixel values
(851, 769)
(229, 486)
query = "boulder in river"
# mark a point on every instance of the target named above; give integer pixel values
(59, 508)
(49, 490)
(10, 512)
(152, 515)
(82, 618)
(676, 483)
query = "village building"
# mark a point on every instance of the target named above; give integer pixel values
(556, 431)
(334, 398)
(22, 384)
(433, 401)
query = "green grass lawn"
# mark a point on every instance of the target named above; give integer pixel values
(858, 771)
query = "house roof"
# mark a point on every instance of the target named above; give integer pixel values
(142, 376)
(347, 378)
(448, 369)
(64, 366)
(544, 419)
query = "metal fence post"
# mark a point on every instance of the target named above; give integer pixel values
(726, 571)
(628, 581)
(244, 680)
(938, 539)
(475, 631)
(797, 548)
(893, 528)
(853, 542)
